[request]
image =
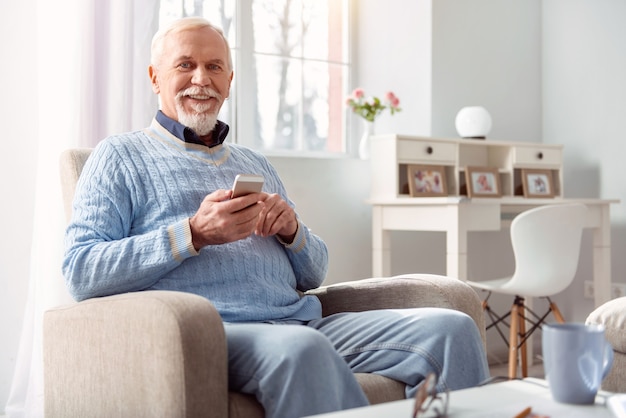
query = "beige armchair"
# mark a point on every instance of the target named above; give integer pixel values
(163, 354)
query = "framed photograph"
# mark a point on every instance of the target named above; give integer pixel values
(482, 182)
(537, 183)
(427, 180)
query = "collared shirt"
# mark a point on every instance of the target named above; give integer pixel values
(186, 134)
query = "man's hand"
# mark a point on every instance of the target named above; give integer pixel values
(277, 218)
(220, 219)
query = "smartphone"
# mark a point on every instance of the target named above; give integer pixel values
(247, 183)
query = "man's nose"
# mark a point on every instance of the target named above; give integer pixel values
(201, 77)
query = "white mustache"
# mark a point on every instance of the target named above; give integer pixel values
(199, 93)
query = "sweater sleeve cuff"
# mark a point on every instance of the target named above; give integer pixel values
(299, 241)
(180, 240)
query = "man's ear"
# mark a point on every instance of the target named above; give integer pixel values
(230, 81)
(152, 72)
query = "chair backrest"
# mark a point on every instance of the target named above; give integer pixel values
(71, 165)
(546, 244)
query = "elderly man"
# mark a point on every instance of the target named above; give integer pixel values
(153, 210)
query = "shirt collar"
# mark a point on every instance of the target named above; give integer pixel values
(186, 134)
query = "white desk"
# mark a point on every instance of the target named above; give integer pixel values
(496, 400)
(458, 215)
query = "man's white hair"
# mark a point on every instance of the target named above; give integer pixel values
(179, 25)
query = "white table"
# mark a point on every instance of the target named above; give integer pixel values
(496, 400)
(458, 215)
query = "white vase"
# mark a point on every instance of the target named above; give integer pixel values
(364, 145)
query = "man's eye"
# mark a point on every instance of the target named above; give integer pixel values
(184, 65)
(215, 67)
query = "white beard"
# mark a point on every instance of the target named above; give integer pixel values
(199, 121)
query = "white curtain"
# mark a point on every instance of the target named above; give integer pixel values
(93, 81)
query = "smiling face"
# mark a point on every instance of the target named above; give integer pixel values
(192, 75)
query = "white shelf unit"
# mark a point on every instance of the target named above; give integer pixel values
(392, 153)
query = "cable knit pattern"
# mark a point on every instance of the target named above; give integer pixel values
(130, 230)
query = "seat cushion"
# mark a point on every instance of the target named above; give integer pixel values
(612, 315)
(378, 389)
(244, 406)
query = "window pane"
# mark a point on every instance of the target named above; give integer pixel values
(315, 106)
(295, 28)
(315, 30)
(278, 100)
(277, 28)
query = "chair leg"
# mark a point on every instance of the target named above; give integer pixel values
(513, 336)
(556, 313)
(522, 333)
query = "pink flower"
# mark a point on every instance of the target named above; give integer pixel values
(393, 100)
(370, 108)
(358, 93)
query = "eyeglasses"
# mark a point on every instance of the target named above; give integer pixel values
(428, 400)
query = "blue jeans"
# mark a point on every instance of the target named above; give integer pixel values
(297, 369)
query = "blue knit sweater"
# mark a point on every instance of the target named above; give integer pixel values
(130, 231)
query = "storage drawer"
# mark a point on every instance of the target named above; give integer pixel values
(537, 156)
(426, 152)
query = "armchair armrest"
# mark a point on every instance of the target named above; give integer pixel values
(143, 354)
(405, 291)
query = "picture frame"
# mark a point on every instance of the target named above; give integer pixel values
(427, 180)
(537, 183)
(483, 182)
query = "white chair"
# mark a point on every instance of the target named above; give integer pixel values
(546, 245)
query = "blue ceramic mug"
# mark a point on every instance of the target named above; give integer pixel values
(576, 358)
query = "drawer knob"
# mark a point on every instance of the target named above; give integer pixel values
(429, 150)
(540, 155)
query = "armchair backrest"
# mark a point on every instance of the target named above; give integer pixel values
(71, 163)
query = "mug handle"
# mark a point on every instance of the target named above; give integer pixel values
(608, 359)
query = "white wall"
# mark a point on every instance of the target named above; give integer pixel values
(488, 53)
(18, 86)
(330, 198)
(584, 102)
(393, 53)
(550, 71)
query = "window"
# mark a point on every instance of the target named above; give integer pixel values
(291, 70)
